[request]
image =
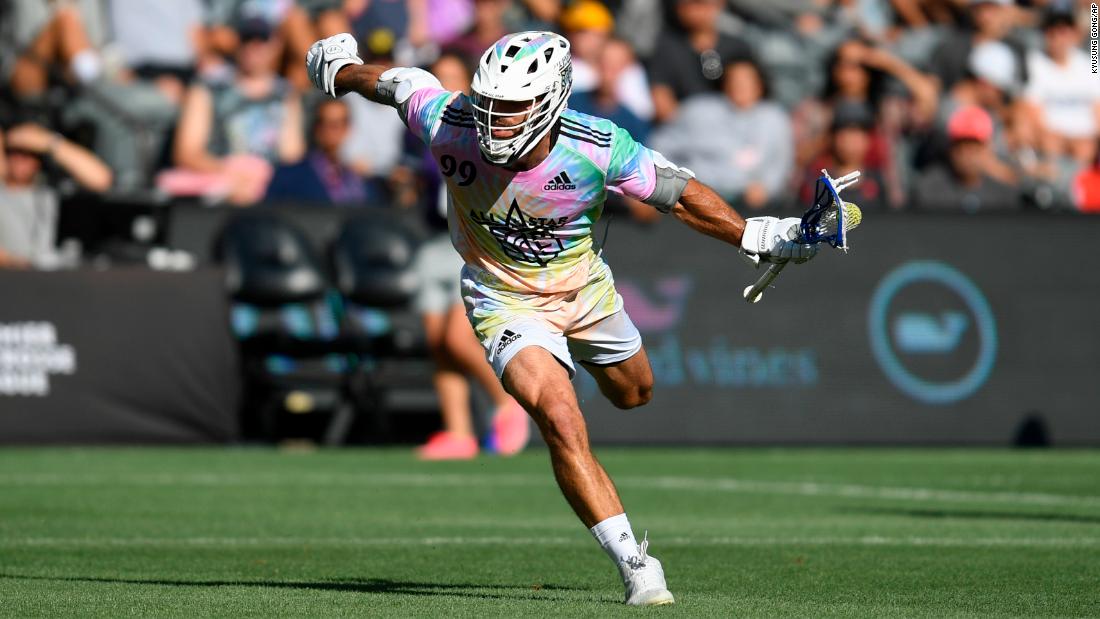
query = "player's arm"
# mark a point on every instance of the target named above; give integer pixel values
(335, 68)
(361, 79)
(646, 175)
(760, 238)
(702, 209)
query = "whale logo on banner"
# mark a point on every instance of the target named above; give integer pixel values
(932, 332)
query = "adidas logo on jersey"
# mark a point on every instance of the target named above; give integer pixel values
(507, 338)
(561, 182)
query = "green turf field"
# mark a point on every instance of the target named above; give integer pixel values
(806, 533)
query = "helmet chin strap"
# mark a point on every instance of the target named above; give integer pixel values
(530, 145)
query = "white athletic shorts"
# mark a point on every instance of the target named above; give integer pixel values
(587, 325)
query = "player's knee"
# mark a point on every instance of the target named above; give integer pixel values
(635, 396)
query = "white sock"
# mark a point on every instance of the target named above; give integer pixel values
(617, 539)
(85, 66)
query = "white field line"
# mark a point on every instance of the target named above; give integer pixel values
(671, 483)
(339, 542)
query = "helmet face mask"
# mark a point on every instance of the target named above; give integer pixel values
(527, 76)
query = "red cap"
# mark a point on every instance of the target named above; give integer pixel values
(970, 122)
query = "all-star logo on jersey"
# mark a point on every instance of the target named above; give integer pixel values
(507, 338)
(561, 182)
(524, 238)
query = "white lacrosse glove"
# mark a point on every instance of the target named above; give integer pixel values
(327, 56)
(775, 240)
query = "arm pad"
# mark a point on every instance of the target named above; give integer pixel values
(396, 85)
(670, 183)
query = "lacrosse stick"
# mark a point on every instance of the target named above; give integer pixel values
(827, 221)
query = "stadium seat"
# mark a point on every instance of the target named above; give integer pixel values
(373, 266)
(287, 318)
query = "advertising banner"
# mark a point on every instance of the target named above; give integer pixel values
(932, 329)
(121, 356)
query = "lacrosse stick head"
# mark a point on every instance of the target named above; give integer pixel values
(829, 218)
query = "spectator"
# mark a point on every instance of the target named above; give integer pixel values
(1086, 189)
(963, 184)
(28, 205)
(690, 56)
(1062, 98)
(495, 18)
(639, 22)
(374, 147)
(850, 139)
(399, 25)
(788, 37)
(859, 72)
(296, 24)
(991, 84)
(989, 20)
(588, 25)
(127, 117)
(159, 41)
(59, 40)
(487, 28)
(615, 58)
(456, 350)
(230, 133)
(321, 178)
(448, 19)
(417, 181)
(738, 142)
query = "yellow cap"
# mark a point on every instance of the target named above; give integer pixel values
(587, 15)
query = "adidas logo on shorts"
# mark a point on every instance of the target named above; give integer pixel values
(507, 338)
(561, 182)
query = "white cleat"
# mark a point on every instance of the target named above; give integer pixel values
(644, 579)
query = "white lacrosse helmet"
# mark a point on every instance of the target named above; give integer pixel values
(529, 67)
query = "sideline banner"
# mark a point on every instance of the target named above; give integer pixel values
(127, 355)
(934, 329)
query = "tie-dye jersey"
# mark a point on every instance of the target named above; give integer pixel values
(529, 231)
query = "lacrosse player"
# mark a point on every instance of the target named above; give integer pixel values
(527, 178)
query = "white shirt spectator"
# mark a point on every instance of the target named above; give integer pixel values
(376, 137)
(1068, 95)
(28, 223)
(156, 32)
(727, 147)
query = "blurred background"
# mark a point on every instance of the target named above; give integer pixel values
(197, 247)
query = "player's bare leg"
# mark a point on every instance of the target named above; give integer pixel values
(541, 385)
(628, 383)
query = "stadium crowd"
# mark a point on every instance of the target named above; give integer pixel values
(947, 105)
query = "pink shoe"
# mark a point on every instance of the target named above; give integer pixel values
(448, 446)
(511, 429)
